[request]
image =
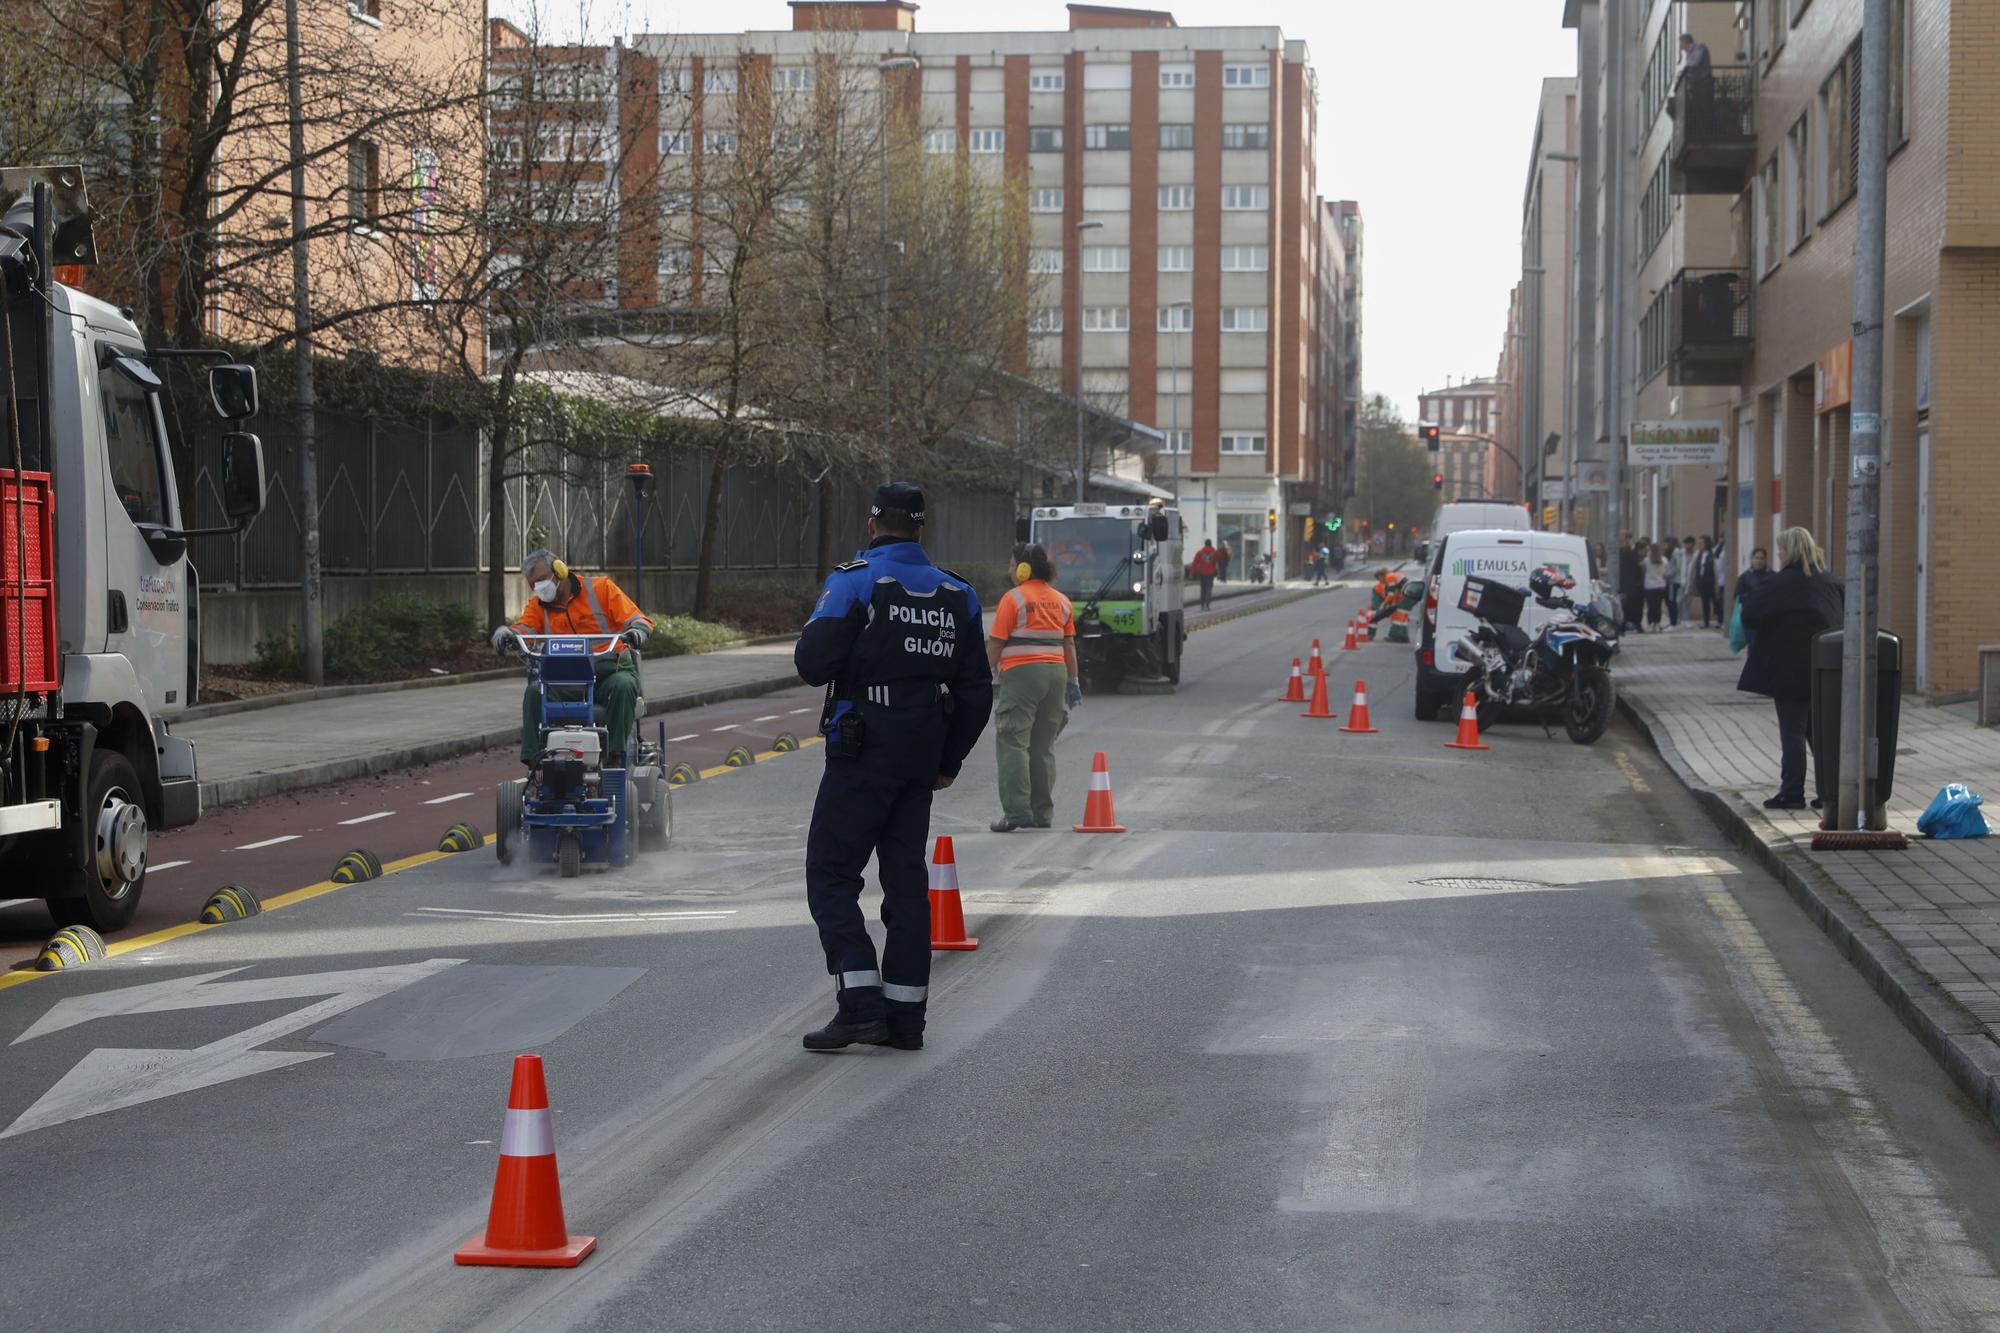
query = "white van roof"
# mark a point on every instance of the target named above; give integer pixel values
(1460, 515)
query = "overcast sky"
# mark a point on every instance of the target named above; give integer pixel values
(1426, 116)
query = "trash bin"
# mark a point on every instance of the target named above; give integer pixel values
(1826, 695)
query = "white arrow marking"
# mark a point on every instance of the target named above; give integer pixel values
(109, 1079)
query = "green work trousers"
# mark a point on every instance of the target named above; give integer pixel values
(617, 690)
(1027, 718)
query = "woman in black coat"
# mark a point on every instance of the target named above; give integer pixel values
(1784, 612)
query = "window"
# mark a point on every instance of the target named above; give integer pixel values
(1107, 75)
(1106, 258)
(791, 141)
(1107, 136)
(1246, 136)
(1771, 36)
(675, 144)
(1246, 319)
(506, 148)
(1045, 199)
(1176, 198)
(1045, 80)
(1246, 76)
(1177, 259)
(364, 182)
(718, 141)
(1045, 319)
(676, 82)
(988, 141)
(1245, 198)
(718, 80)
(940, 141)
(1045, 260)
(1177, 76)
(132, 445)
(1107, 199)
(1107, 319)
(792, 78)
(1653, 337)
(1798, 164)
(1656, 85)
(1045, 139)
(1177, 442)
(1176, 136)
(1243, 444)
(1771, 214)
(1176, 319)
(677, 259)
(1656, 208)
(370, 10)
(1246, 258)
(1840, 113)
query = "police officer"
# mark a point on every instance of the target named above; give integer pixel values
(900, 645)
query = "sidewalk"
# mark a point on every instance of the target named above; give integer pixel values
(249, 755)
(1923, 925)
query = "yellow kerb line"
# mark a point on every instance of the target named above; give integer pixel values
(326, 886)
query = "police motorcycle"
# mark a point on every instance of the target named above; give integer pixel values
(1565, 664)
(574, 809)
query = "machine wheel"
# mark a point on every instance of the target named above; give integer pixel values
(506, 819)
(1586, 716)
(1172, 670)
(105, 894)
(569, 856)
(655, 824)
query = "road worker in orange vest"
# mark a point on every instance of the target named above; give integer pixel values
(1032, 648)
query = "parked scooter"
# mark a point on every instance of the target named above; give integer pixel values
(1565, 664)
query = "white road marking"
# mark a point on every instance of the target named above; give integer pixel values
(794, 712)
(154, 870)
(269, 842)
(441, 800)
(544, 917)
(367, 819)
(768, 717)
(731, 727)
(692, 735)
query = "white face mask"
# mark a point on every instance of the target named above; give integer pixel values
(546, 590)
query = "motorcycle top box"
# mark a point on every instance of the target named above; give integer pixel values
(1493, 601)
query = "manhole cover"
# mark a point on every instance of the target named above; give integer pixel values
(1489, 885)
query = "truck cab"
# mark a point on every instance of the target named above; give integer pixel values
(1120, 565)
(100, 613)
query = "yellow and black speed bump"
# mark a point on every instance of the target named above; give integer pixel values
(740, 757)
(682, 774)
(231, 902)
(460, 838)
(356, 867)
(72, 946)
(785, 744)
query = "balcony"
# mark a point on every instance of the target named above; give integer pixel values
(1715, 131)
(1708, 328)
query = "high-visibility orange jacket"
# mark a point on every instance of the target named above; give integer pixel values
(594, 606)
(1032, 620)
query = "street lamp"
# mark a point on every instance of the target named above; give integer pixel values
(1082, 459)
(885, 65)
(640, 477)
(1174, 369)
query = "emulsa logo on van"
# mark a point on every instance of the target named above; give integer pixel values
(1493, 566)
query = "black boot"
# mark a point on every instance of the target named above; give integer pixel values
(905, 1026)
(858, 1020)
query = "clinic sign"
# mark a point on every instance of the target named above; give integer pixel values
(1679, 444)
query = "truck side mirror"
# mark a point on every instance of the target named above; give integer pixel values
(242, 472)
(1161, 529)
(233, 390)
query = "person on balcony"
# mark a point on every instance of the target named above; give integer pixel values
(1696, 78)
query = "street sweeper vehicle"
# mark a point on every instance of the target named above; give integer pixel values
(1120, 565)
(100, 609)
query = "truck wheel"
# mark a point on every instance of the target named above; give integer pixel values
(569, 856)
(1427, 704)
(105, 894)
(1172, 670)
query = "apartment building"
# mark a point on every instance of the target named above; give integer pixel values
(1716, 313)
(1534, 410)
(1466, 414)
(1169, 175)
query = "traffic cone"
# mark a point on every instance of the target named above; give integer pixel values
(1319, 704)
(1350, 645)
(525, 1228)
(947, 913)
(1098, 816)
(1295, 688)
(1316, 667)
(1468, 727)
(1357, 713)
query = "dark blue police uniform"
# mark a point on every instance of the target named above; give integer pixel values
(902, 645)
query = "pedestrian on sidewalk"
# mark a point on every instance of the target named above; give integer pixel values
(1689, 594)
(1223, 555)
(1203, 566)
(1654, 571)
(1632, 580)
(1784, 612)
(1319, 566)
(1670, 551)
(562, 601)
(1705, 587)
(1032, 649)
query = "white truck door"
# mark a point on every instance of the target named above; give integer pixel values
(147, 579)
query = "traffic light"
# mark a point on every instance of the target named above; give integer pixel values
(1437, 481)
(1392, 527)
(1271, 519)
(1333, 524)
(1429, 434)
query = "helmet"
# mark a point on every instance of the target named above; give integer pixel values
(1544, 582)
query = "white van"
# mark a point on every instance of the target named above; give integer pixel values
(1484, 515)
(1510, 554)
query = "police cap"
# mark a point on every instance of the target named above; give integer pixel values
(898, 495)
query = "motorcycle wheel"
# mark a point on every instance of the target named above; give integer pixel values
(1588, 712)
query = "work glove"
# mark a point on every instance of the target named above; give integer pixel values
(504, 642)
(1073, 695)
(635, 635)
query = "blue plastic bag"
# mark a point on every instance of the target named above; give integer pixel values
(1953, 813)
(1739, 639)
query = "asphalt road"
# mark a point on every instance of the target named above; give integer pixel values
(1349, 1032)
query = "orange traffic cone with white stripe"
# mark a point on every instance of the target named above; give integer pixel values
(1295, 688)
(1098, 816)
(1468, 727)
(1319, 704)
(1316, 667)
(525, 1228)
(1357, 713)
(947, 912)
(1350, 645)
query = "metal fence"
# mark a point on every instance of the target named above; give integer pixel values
(399, 497)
